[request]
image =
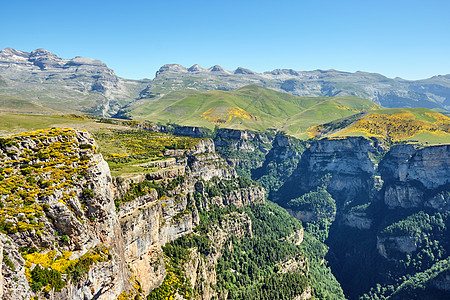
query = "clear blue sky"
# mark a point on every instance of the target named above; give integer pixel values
(409, 39)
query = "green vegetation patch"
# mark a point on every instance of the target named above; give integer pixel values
(319, 202)
(417, 225)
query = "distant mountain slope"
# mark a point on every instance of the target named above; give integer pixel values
(66, 85)
(252, 107)
(85, 85)
(430, 93)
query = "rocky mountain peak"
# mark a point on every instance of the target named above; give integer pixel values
(78, 61)
(45, 59)
(218, 68)
(41, 52)
(11, 53)
(241, 70)
(283, 72)
(196, 68)
(171, 68)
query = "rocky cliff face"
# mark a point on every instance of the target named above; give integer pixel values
(381, 192)
(243, 149)
(406, 175)
(414, 174)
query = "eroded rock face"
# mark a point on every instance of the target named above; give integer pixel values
(357, 220)
(404, 196)
(440, 202)
(191, 131)
(207, 166)
(141, 222)
(428, 166)
(407, 176)
(243, 149)
(389, 246)
(303, 215)
(241, 197)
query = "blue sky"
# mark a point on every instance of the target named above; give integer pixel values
(409, 39)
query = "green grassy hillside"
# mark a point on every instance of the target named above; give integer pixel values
(250, 107)
(19, 105)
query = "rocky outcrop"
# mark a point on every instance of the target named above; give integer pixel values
(203, 146)
(303, 215)
(209, 165)
(234, 136)
(406, 176)
(307, 294)
(146, 229)
(151, 221)
(440, 202)
(201, 269)
(404, 195)
(243, 149)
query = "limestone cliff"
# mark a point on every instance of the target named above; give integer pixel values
(58, 211)
(414, 174)
(59, 217)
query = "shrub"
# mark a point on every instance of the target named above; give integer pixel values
(88, 193)
(41, 277)
(8, 262)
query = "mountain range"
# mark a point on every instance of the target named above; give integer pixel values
(88, 86)
(217, 184)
